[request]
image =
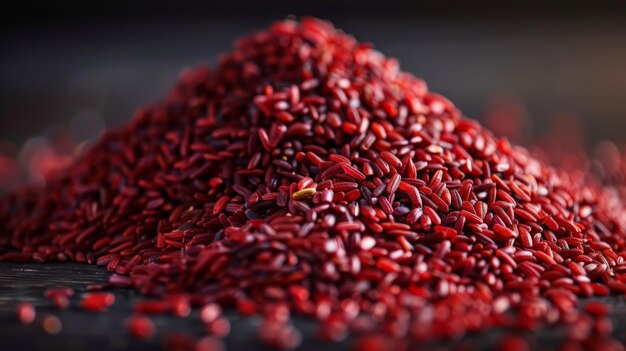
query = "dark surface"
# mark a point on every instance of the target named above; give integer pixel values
(83, 330)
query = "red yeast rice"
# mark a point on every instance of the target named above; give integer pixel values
(59, 296)
(307, 174)
(98, 302)
(51, 324)
(141, 327)
(26, 312)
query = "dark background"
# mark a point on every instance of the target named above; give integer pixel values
(81, 63)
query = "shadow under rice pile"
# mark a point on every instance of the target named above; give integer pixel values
(307, 174)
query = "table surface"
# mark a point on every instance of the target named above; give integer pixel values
(106, 331)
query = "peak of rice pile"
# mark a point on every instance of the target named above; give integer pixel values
(307, 171)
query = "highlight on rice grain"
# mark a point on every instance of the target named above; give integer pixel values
(306, 174)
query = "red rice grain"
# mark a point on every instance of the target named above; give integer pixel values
(97, 302)
(141, 327)
(26, 312)
(51, 324)
(308, 174)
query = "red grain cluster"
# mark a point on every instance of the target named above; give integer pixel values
(307, 174)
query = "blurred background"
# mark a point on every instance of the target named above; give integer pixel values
(542, 74)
